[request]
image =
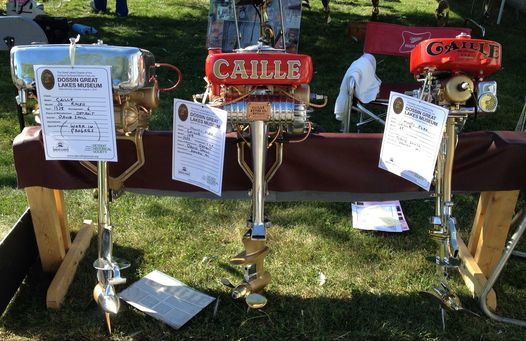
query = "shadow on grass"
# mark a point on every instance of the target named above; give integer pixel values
(8, 181)
(30, 300)
(332, 221)
(233, 271)
(362, 315)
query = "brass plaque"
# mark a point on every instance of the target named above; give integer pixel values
(259, 111)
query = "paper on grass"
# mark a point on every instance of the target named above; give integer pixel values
(165, 298)
(386, 216)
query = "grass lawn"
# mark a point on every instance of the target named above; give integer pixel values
(373, 279)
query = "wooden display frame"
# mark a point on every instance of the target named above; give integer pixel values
(57, 254)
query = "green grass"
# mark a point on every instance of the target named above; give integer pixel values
(373, 279)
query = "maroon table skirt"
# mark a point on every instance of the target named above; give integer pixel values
(328, 166)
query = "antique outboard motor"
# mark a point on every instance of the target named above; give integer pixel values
(265, 91)
(452, 71)
(135, 95)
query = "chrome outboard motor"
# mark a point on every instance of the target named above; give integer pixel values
(452, 71)
(135, 95)
(265, 91)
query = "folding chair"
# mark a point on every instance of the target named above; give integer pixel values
(521, 124)
(383, 39)
(24, 8)
(17, 30)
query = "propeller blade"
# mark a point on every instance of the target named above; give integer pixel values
(226, 282)
(256, 301)
(108, 322)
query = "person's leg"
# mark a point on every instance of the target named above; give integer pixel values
(99, 5)
(121, 9)
(326, 10)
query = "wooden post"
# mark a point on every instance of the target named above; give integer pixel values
(490, 228)
(51, 232)
(487, 240)
(478, 221)
(473, 276)
(59, 286)
(62, 216)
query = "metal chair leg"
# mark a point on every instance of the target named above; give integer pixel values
(519, 219)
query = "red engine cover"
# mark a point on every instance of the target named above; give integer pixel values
(477, 57)
(263, 68)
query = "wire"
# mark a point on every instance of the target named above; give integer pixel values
(278, 133)
(179, 76)
(235, 88)
(306, 136)
(240, 134)
(237, 99)
(325, 100)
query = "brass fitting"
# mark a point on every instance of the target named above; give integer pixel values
(256, 278)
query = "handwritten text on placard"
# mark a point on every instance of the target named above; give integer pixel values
(76, 112)
(198, 145)
(412, 137)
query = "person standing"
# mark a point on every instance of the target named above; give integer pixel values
(121, 7)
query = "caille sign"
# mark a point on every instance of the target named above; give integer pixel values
(484, 47)
(472, 56)
(258, 68)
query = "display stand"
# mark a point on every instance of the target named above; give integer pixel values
(57, 253)
(340, 177)
(486, 243)
(50, 223)
(66, 272)
(487, 240)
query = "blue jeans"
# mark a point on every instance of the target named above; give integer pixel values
(121, 7)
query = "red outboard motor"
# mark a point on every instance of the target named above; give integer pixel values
(263, 84)
(452, 71)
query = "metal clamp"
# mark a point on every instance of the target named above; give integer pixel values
(117, 183)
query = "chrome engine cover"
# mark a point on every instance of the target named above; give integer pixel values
(132, 68)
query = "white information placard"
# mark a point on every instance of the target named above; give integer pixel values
(76, 112)
(166, 298)
(412, 137)
(198, 145)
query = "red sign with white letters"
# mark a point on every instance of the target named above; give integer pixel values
(258, 68)
(399, 40)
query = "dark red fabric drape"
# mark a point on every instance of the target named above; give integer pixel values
(329, 162)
